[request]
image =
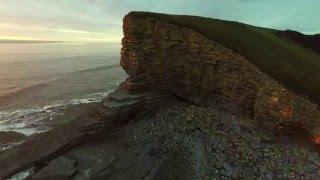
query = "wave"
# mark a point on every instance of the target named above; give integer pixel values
(14, 90)
(60, 58)
(8, 145)
(22, 175)
(97, 68)
(31, 121)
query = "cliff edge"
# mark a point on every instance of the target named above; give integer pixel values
(194, 107)
(163, 56)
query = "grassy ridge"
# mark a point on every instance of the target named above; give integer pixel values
(309, 41)
(293, 65)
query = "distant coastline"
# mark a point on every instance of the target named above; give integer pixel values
(5, 41)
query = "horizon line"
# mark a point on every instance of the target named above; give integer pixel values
(51, 41)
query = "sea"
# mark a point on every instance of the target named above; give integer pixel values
(40, 80)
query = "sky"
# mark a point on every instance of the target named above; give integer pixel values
(101, 20)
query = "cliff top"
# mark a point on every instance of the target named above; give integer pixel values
(293, 63)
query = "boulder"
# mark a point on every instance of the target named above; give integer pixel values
(61, 168)
(11, 137)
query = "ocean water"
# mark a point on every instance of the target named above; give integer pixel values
(39, 80)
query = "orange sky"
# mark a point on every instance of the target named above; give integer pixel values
(19, 32)
(101, 20)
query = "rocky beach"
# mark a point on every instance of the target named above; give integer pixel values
(191, 108)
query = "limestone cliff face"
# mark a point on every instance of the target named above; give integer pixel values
(164, 57)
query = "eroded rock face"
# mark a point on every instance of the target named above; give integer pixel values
(183, 141)
(117, 109)
(181, 61)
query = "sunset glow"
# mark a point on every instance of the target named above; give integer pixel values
(101, 20)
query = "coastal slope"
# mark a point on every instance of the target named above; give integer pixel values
(205, 99)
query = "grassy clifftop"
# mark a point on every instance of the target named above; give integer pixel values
(294, 65)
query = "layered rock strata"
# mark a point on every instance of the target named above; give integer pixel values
(118, 108)
(184, 141)
(181, 61)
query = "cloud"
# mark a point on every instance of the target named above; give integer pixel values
(81, 19)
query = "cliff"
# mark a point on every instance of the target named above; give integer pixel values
(193, 107)
(292, 63)
(179, 60)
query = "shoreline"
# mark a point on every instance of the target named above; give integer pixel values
(70, 113)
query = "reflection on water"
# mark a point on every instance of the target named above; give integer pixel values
(53, 71)
(36, 78)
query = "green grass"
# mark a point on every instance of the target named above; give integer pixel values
(291, 64)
